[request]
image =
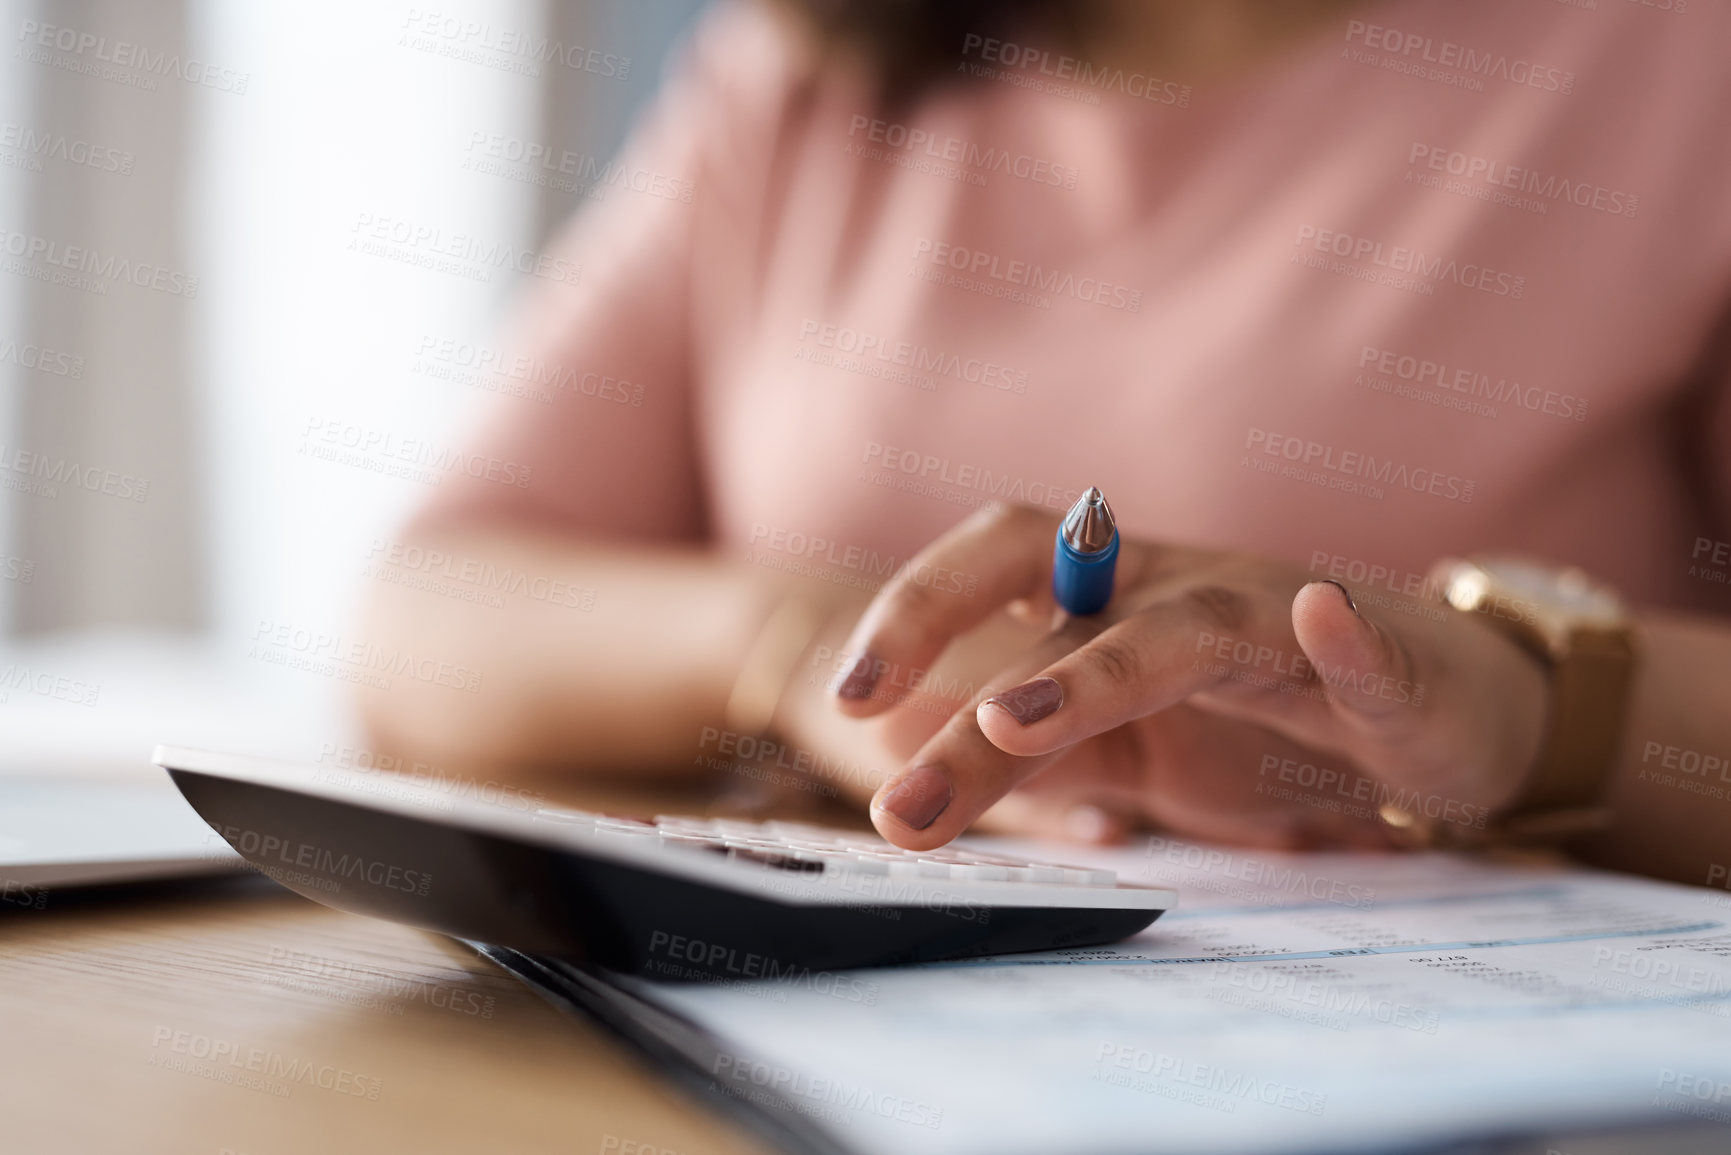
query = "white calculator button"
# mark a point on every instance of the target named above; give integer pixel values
(1081, 876)
(979, 872)
(1034, 873)
(995, 859)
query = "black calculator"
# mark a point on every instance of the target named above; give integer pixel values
(670, 898)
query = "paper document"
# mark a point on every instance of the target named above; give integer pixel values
(1290, 1004)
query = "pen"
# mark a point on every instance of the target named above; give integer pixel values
(1086, 555)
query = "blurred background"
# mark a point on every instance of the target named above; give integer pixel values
(253, 262)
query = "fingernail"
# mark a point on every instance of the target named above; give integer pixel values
(861, 679)
(1030, 701)
(918, 799)
(1344, 592)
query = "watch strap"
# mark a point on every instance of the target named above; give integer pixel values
(1589, 685)
(1589, 699)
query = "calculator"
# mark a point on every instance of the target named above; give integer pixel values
(680, 899)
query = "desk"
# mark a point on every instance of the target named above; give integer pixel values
(200, 1022)
(107, 1010)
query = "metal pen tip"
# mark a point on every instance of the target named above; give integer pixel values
(1089, 526)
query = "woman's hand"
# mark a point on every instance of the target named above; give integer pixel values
(1221, 695)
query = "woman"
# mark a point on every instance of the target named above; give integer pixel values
(1310, 291)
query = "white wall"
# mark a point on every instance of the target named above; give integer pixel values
(341, 120)
(353, 113)
(340, 117)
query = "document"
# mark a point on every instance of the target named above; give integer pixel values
(1291, 1003)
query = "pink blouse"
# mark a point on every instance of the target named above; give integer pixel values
(1444, 277)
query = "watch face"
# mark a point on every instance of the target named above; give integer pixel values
(1566, 591)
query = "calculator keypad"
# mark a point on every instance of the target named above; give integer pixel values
(814, 850)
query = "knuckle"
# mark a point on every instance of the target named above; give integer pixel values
(913, 602)
(1114, 659)
(1218, 607)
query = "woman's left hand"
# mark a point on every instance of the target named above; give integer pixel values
(1202, 653)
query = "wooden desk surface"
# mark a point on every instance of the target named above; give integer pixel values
(268, 1025)
(265, 1024)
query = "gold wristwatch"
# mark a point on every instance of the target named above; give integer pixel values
(1582, 635)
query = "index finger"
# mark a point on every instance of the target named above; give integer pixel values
(998, 555)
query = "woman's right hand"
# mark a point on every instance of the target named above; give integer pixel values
(1199, 697)
(1099, 791)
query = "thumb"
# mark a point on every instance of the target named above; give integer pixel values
(1364, 668)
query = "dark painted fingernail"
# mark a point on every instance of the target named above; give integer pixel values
(1030, 701)
(920, 796)
(1344, 592)
(861, 679)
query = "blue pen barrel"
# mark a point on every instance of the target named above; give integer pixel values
(1082, 582)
